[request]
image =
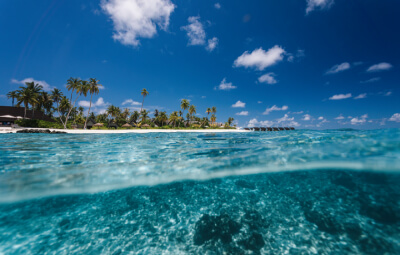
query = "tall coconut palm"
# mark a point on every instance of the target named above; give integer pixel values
(134, 116)
(125, 114)
(144, 93)
(184, 105)
(230, 120)
(26, 96)
(208, 111)
(113, 111)
(162, 117)
(144, 114)
(173, 117)
(57, 95)
(192, 110)
(156, 113)
(36, 89)
(214, 109)
(213, 118)
(80, 87)
(13, 95)
(94, 87)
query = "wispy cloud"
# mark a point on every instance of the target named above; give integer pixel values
(318, 5)
(225, 85)
(338, 68)
(375, 79)
(254, 122)
(217, 6)
(239, 104)
(275, 108)
(99, 103)
(130, 102)
(340, 117)
(243, 113)
(135, 19)
(267, 78)
(307, 117)
(46, 86)
(379, 67)
(260, 59)
(361, 96)
(340, 96)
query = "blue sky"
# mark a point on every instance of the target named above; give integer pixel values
(305, 63)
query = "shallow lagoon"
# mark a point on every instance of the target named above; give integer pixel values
(302, 192)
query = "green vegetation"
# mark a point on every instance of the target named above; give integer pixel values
(66, 115)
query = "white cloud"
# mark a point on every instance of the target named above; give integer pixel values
(243, 113)
(212, 44)
(318, 4)
(259, 102)
(340, 96)
(260, 58)
(379, 67)
(371, 80)
(130, 102)
(195, 31)
(388, 93)
(359, 120)
(338, 68)
(340, 117)
(275, 108)
(255, 122)
(395, 117)
(267, 78)
(299, 54)
(307, 117)
(225, 85)
(137, 18)
(287, 121)
(46, 86)
(98, 104)
(361, 96)
(239, 104)
(321, 118)
(217, 6)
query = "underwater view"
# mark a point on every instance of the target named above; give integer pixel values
(289, 192)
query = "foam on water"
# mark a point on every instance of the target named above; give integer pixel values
(43, 165)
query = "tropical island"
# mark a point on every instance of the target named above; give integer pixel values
(59, 111)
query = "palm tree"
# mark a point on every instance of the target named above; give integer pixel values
(36, 89)
(184, 105)
(134, 116)
(144, 114)
(80, 87)
(144, 93)
(174, 117)
(162, 117)
(214, 109)
(113, 111)
(208, 111)
(125, 114)
(213, 118)
(192, 110)
(13, 95)
(26, 96)
(80, 109)
(93, 89)
(45, 102)
(230, 120)
(56, 95)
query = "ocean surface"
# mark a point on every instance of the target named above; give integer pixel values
(289, 192)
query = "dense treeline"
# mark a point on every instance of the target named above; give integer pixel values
(62, 108)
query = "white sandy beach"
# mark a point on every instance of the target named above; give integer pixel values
(124, 131)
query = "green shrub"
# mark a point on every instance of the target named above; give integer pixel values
(38, 124)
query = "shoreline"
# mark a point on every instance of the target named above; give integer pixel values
(125, 131)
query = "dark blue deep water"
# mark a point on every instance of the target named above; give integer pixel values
(297, 192)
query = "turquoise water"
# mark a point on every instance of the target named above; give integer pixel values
(290, 192)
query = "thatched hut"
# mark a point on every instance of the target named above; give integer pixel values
(126, 125)
(98, 125)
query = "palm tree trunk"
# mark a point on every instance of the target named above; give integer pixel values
(25, 110)
(72, 106)
(91, 96)
(142, 105)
